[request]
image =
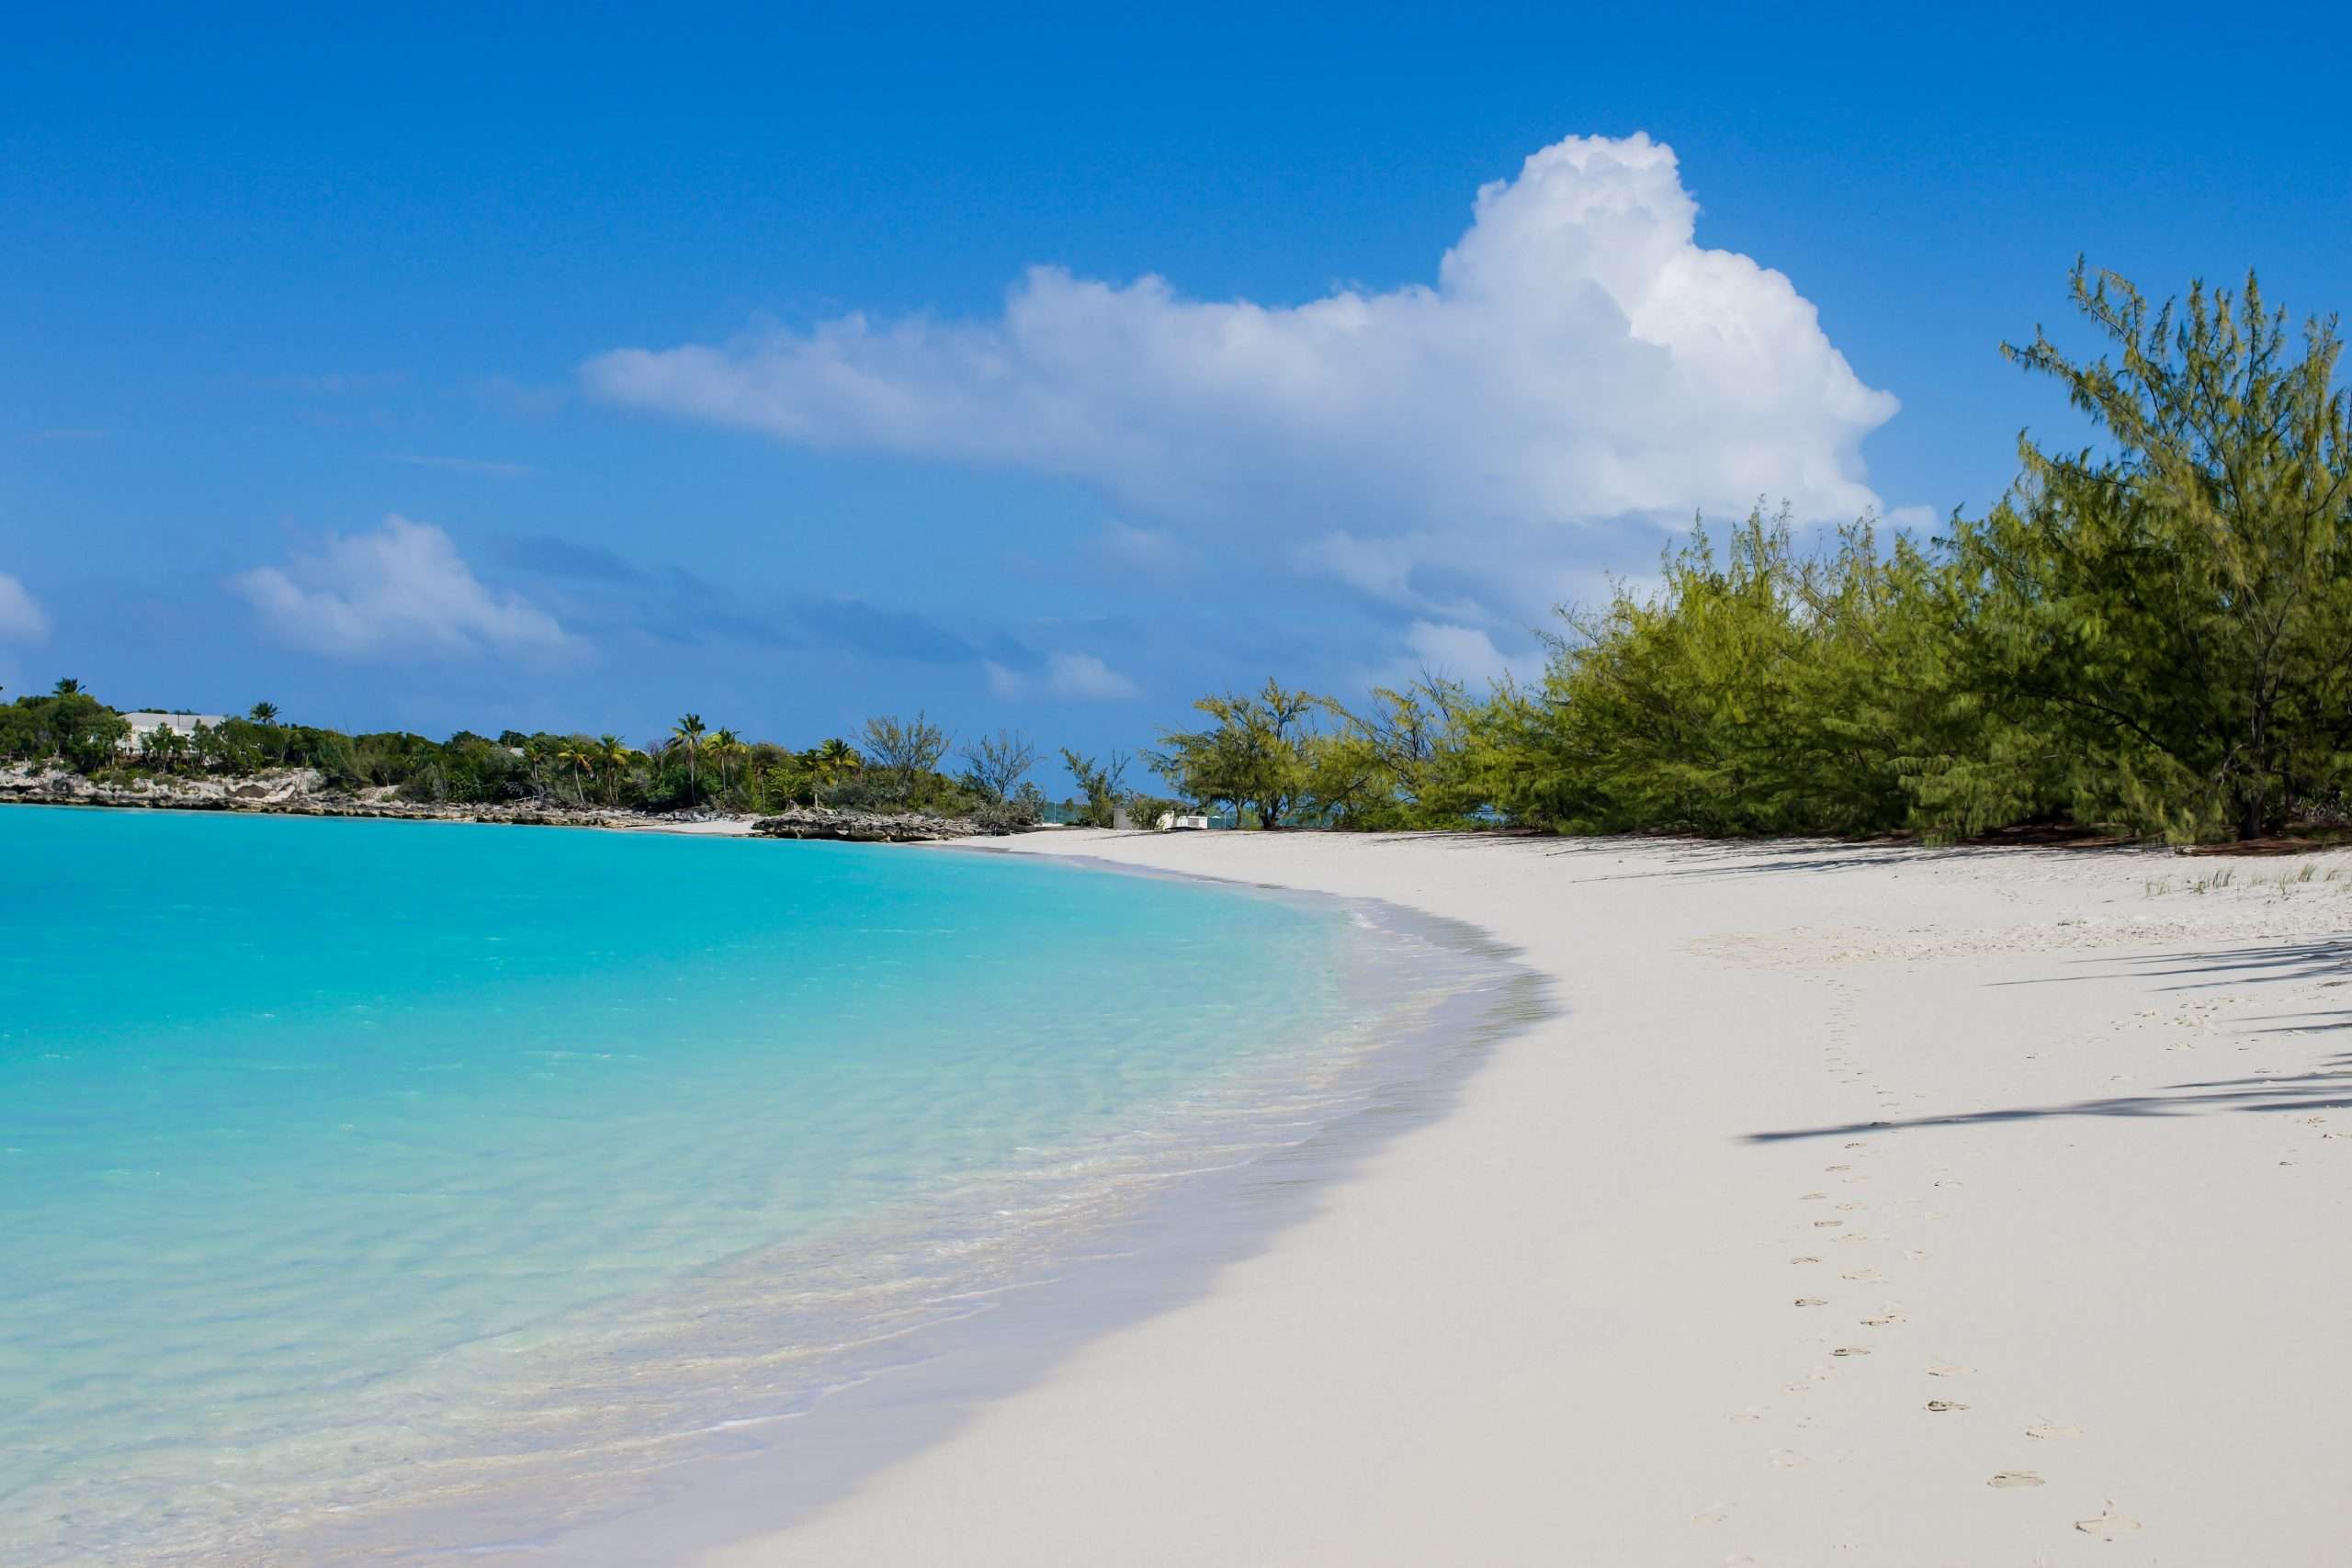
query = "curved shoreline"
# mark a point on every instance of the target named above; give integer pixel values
(1877, 1201)
(1324, 1057)
(1154, 1261)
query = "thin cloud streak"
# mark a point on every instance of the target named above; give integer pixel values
(483, 467)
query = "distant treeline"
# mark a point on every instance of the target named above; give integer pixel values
(897, 765)
(2153, 635)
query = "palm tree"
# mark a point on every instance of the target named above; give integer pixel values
(69, 687)
(263, 713)
(613, 756)
(165, 746)
(726, 746)
(835, 759)
(688, 732)
(580, 758)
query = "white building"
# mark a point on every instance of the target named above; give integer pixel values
(183, 724)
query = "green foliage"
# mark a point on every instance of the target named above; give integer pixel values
(1145, 811)
(2156, 636)
(902, 758)
(697, 766)
(994, 766)
(1765, 690)
(1258, 755)
(2177, 610)
(68, 725)
(1100, 784)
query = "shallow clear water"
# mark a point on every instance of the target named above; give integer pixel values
(353, 1173)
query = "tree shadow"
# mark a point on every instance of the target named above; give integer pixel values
(2327, 1087)
(2228, 967)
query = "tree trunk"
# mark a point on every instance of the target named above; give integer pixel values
(2255, 796)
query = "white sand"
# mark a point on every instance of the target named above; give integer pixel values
(1564, 1325)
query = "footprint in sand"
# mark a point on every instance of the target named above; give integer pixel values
(2046, 1432)
(1710, 1516)
(1826, 1225)
(1856, 1236)
(2008, 1478)
(1942, 1404)
(1787, 1458)
(1866, 1274)
(1810, 1197)
(1802, 1258)
(1811, 1302)
(1891, 1315)
(1746, 1418)
(1945, 1370)
(1851, 1350)
(2109, 1525)
(1913, 1254)
(1849, 1208)
(1836, 1168)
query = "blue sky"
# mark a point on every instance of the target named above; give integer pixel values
(580, 367)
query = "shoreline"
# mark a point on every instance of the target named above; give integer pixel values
(1159, 1256)
(1888, 1202)
(1136, 1233)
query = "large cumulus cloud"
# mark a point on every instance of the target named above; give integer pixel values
(1579, 357)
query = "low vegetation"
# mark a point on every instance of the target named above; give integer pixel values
(695, 768)
(2153, 635)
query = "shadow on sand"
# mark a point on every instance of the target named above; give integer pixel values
(2326, 1086)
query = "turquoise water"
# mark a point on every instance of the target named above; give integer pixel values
(358, 1173)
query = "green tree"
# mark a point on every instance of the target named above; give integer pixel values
(2179, 606)
(1404, 760)
(995, 765)
(829, 764)
(905, 752)
(687, 736)
(578, 757)
(164, 747)
(1101, 785)
(1257, 755)
(613, 759)
(725, 746)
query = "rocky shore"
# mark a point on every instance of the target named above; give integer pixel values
(305, 792)
(868, 826)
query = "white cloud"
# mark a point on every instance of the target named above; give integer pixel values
(402, 591)
(21, 617)
(1580, 356)
(1083, 676)
(1079, 677)
(1448, 651)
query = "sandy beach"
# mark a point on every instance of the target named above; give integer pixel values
(1872, 1205)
